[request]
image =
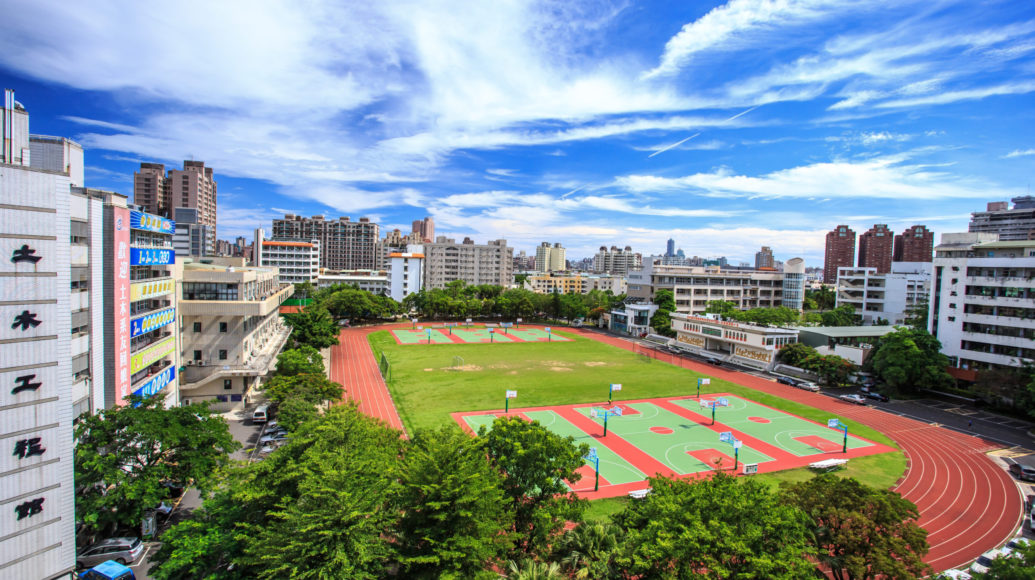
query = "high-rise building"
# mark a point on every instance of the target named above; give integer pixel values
(888, 296)
(840, 252)
(794, 284)
(876, 247)
(344, 244)
(192, 238)
(670, 248)
(425, 229)
(193, 187)
(446, 261)
(58, 154)
(616, 261)
(550, 258)
(406, 272)
(981, 308)
(915, 244)
(296, 261)
(395, 241)
(1011, 224)
(764, 258)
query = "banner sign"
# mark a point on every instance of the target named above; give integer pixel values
(706, 381)
(148, 356)
(120, 294)
(750, 468)
(139, 220)
(157, 383)
(616, 386)
(511, 394)
(146, 324)
(151, 289)
(151, 256)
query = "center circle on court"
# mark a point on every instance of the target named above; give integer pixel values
(759, 420)
(661, 430)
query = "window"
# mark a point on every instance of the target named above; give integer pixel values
(222, 327)
(228, 384)
(222, 355)
(197, 355)
(197, 327)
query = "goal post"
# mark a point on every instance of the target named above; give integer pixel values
(385, 367)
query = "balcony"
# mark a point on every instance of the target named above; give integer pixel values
(262, 307)
(998, 339)
(197, 373)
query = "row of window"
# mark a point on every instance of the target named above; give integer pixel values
(223, 327)
(222, 355)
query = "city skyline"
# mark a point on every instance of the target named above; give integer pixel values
(726, 126)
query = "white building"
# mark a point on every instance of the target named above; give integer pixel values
(405, 272)
(738, 342)
(695, 286)
(232, 331)
(296, 261)
(574, 284)
(632, 319)
(983, 301)
(550, 258)
(192, 238)
(884, 296)
(617, 261)
(373, 281)
(489, 263)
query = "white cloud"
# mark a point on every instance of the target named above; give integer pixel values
(1019, 153)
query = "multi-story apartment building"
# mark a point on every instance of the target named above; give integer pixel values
(616, 261)
(915, 244)
(193, 186)
(395, 241)
(374, 281)
(424, 230)
(876, 247)
(192, 238)
(231, 329)
(446, 261)
(746, 344)
(576, 283)
(296, 261)
(983, 301)
(58, 154)
(1011, 224)
(764, 258)
(840, 252)
(888, 296)
(344, 244)
(406, 272)
(550, 258)
(695, 286)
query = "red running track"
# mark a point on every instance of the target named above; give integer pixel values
(967, 503)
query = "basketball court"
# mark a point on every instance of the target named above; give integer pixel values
(474, 334)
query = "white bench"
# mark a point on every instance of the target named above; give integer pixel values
(639, 493)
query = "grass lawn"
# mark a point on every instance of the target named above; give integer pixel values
(426, 389)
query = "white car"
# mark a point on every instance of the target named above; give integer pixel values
(808, 386)
(955, 575)
(857, 399)
(980, 566)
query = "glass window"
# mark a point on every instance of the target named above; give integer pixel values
(228, 384)
(222, 327)
(197, 327)
(197, 355)
(222, 355)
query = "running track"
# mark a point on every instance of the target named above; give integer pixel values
(967, 503)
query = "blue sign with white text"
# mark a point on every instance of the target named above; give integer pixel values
(146, 324)
(151, 256)
(159, 382)
(139, 220)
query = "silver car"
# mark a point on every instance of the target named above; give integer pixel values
(122, 550)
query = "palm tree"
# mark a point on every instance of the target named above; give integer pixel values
(532, 570)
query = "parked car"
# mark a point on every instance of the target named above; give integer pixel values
(1018, 543)
(1021, 471)
(787, 381)
(275, 432)
(808, 386)
(980, 566)
(272, 439)
(857, 399)
(122, 550)
(954, 575)
(110, 570)
(713, 361)
(877, 396)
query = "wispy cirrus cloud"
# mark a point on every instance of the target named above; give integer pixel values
(1019, 153)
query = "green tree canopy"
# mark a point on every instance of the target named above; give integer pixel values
(718, 527)
(535, 463)
(861, 533)
(909, 360)
(843, 315)
(314, 388)
(1019, 566)
(302, 360)
(312, 326)
(124, 454)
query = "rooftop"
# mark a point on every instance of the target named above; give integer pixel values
(847, 331)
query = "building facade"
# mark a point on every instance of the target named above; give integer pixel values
(550, 258)
(489, 263)
(764, 258)
(296, 261)
(231, 330)
(983, 301)
(577, 284)
(616, 261)
(406, 272)
(344, 244)
(395, 241)
(887, 297)
(374, 281)
(1010, 224)
(192, 238)
(424, 230)
(744, 344)
(194, 186)
(876, 247)
(695, 286)
(915, 244)
(840, 252)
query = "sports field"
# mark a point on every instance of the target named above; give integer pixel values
(473, 335)
(676, 438)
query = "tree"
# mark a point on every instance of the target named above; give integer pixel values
(535, 463)
(304, 290)
(204, 546)
(718, 527)
(860, 533)
(723, 308)
(312, 326)
(916, 316)
(453, 519)
(124, 455)
(294, 411)
(1020, 565)
(590, 551)
(661, 322)
(796, 353)
(843, 315)
(825, 298)
(308, 387)
(909, 360)
(302, 360)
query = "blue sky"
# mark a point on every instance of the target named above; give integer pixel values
(726, 126)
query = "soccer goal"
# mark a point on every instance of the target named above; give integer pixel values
(458, 362)
(385, 367)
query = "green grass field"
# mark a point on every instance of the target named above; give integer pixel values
(426, 389)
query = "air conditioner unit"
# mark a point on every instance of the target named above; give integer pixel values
(190, 363)
(201, 363)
